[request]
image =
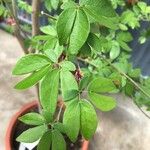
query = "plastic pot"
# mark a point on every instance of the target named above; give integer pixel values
(14, 121)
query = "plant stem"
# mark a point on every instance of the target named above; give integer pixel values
(86, 61)
(35, 17)
(125, 75)
(141, 109)
(122, 73)
(49, 16)
(59, 113)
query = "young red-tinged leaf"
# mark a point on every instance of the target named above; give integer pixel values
(45, 141)
(32, 135)
(104, 103)
(101, 85)
(49, 90)
(30, 63)
(32, 79)
(58, 142)
(80, 32)
(32, 119)
(71, 119)
(64, 24)
(69, 86)
(88, 119)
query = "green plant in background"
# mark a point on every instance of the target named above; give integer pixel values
(24, 6)
(81, 55)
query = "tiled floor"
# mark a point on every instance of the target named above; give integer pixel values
(10, 99)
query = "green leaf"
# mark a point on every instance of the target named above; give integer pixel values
(135, 73)
(49, 44)
(71, 119)
(58, 142)
(32, 119)
(80, 32)
(102, 102)
(115, 50)
(45, 141)
(101, 11)
(94, 42)
(129, 89)
(69, 4)
(60, 127)
(51, 54)
(30, 63)
(54, 52)
(55, 3)
(68, 65)
(84, 82)
(70, 94)
(129, 18)
(49, 30)
(48, 116)
(89, 119)
(49, 90)
(124, 46)
(47, 4)
(32, 135)
(101, 85)
(68, 84)
(122, 66)
(85, 51)
(124, 36)
(64, 24)
(32, 79)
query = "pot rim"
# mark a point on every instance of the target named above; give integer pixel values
(14, 120)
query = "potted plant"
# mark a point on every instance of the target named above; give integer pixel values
(82, 56)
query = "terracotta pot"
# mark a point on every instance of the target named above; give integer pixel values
(11, 127)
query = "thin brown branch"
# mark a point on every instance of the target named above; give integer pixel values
(35, 20)
(141, 109)
(123, 74)
(17, 29)
(35, 16)
(47, 15)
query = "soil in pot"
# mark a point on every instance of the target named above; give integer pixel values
(20, 127)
